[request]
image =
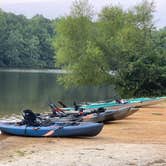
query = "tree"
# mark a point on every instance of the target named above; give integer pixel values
(15, 46)
(77, 51)
(111, 28)
(82, 8)
(43, 29)
(88, 49)
(143, 72)
(3, 37)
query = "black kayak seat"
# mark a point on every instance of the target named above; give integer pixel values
(76, 107)
(30, 118)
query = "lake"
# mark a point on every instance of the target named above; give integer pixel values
(34, 89)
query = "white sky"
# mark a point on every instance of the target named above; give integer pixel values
(23, 1)
(56, 8)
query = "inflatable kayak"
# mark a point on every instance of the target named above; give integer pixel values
(54, 130)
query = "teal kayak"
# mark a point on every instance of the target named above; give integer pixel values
(139, 101)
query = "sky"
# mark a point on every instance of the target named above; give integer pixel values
(55, 8)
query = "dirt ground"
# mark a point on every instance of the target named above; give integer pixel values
(137, 140)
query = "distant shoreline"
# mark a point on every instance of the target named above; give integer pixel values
(57, 71)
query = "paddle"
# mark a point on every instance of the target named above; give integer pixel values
(56, 127)
(76, 106)
(62, 104)
(74, 117)
(56, 109)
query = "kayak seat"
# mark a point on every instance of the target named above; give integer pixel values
(99, 110)
(30, 118)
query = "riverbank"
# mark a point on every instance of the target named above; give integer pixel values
(137, 140)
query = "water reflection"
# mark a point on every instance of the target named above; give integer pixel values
(21, 90)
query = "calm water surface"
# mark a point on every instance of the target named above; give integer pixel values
(34, 89)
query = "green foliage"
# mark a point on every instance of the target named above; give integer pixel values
(87, 70)
(77, 49)
(143, 72)
(112, 25)
(145, 76)
(73, 33)
(26, 42)
(124, 43)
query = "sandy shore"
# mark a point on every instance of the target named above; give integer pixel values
(138, 140)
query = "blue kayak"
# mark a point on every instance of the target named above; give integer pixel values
(55, 130)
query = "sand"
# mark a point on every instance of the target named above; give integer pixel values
(138, 140)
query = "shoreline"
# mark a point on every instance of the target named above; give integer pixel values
(137, 140)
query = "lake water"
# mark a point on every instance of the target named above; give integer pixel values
(34, 89)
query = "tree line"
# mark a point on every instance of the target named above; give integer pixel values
(26, 43)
